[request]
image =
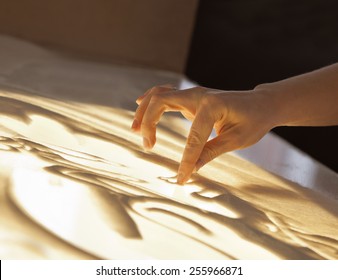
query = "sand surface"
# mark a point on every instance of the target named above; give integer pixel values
(76, 183)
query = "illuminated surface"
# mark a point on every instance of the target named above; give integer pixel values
(77, 175)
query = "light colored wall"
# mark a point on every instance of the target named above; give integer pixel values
(153, 33)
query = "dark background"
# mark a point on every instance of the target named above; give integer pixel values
(238, 44)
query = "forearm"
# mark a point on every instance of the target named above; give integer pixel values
(310, 99)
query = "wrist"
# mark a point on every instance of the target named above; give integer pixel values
(273, 103)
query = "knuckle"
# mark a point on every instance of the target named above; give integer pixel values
(194, 140)
(155, 89)
(147, 125)
(159, 89)
(209, 102)
(196, 92)
(157, 103)
(156, 98)
(205, 101)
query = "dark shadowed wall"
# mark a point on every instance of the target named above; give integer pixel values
(153, 33)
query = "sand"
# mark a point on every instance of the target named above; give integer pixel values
(76, 182)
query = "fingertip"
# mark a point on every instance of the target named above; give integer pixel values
(183, 174)
(135, 125)
(181, 178)
(147, 144)
(139, 100)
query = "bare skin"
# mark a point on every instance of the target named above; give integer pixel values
(240, 118)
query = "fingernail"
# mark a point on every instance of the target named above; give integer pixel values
(180, 178)
(146, 144)
(139, 99)
(134, 126)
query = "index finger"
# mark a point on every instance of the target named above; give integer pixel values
(198, 136)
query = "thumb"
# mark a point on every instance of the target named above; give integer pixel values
(212, 149)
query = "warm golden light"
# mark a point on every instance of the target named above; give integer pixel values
(80, 173)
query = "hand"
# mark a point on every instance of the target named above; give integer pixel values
(240, 119)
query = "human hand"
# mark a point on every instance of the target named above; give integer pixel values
(240, 119)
